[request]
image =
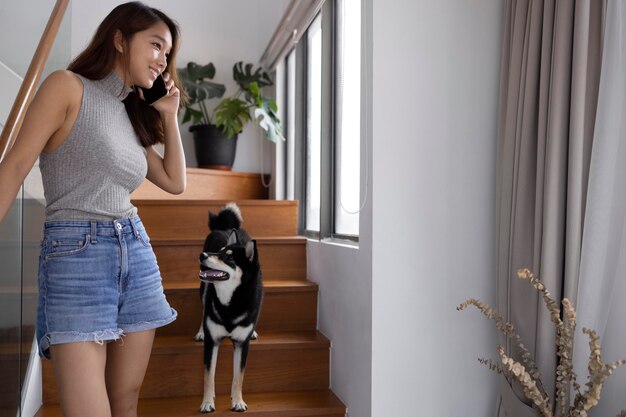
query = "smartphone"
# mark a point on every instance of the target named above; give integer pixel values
(156, 92)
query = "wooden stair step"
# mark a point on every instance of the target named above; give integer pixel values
(209, 183)
(277, 361)
(14, 351)
(164, 345)
(281, 258)
(189, 219)
(16, 344)
(320, 403)
(269, 285)
(13, 355)
(287, 305)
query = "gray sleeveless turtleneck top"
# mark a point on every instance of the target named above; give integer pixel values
(91, 175)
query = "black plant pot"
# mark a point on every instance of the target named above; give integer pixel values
(213, 149)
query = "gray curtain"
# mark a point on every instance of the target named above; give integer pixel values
(551, 58)
(602, 287)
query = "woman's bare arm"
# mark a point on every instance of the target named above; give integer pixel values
(45, 116)
(168, 172)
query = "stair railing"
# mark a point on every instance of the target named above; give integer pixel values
(26, 93)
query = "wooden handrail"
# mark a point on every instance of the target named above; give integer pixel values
(31, 80)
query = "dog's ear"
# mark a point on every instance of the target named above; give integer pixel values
(232, 238)
(251, 250)
(212, 219)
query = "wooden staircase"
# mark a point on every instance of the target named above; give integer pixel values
(288, 366)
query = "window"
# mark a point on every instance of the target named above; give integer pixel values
(313, 125)
(290, 105)
(348, 131)
(323, 118)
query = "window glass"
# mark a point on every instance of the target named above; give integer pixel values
(348, 135)
(291, 125)
(314, 124)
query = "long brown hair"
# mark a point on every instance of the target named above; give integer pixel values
(98, 60)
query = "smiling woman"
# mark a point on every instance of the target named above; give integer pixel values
(149, 50)
(94, 134)
(152, 43)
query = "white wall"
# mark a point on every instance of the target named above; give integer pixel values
(18, 45)
(345, 315)
(10, 83)
(218, 31)
(427, 235)
(434, 117)
(16, 52)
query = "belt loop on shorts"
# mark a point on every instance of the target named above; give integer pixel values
(134, 227)
(94, 231)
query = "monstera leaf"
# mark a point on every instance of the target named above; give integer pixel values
(244, 76)
(231, 114)
(200, 72)
(265, 115)
(195, 82)
(195, 116)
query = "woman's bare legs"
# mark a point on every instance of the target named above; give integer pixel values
(79, 375)
(101, 380)
(126, 364)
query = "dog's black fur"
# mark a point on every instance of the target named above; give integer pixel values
(231, 293)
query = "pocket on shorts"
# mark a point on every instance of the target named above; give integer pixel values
(61, 246)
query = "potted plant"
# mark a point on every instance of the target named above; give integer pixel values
(215, 135)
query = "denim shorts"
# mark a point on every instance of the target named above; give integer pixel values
(97, 281)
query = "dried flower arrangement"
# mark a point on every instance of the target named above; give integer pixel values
(526, 372)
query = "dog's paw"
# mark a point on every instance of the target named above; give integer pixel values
(239, 406)
(207, 407)
(199, 336)
(254, 336)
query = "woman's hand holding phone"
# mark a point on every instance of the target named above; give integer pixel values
(164, 96)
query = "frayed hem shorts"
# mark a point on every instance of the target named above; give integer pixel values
(97, 281)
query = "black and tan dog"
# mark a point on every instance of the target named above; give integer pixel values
(231, 292)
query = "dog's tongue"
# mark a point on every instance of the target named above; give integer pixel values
(213, 275)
